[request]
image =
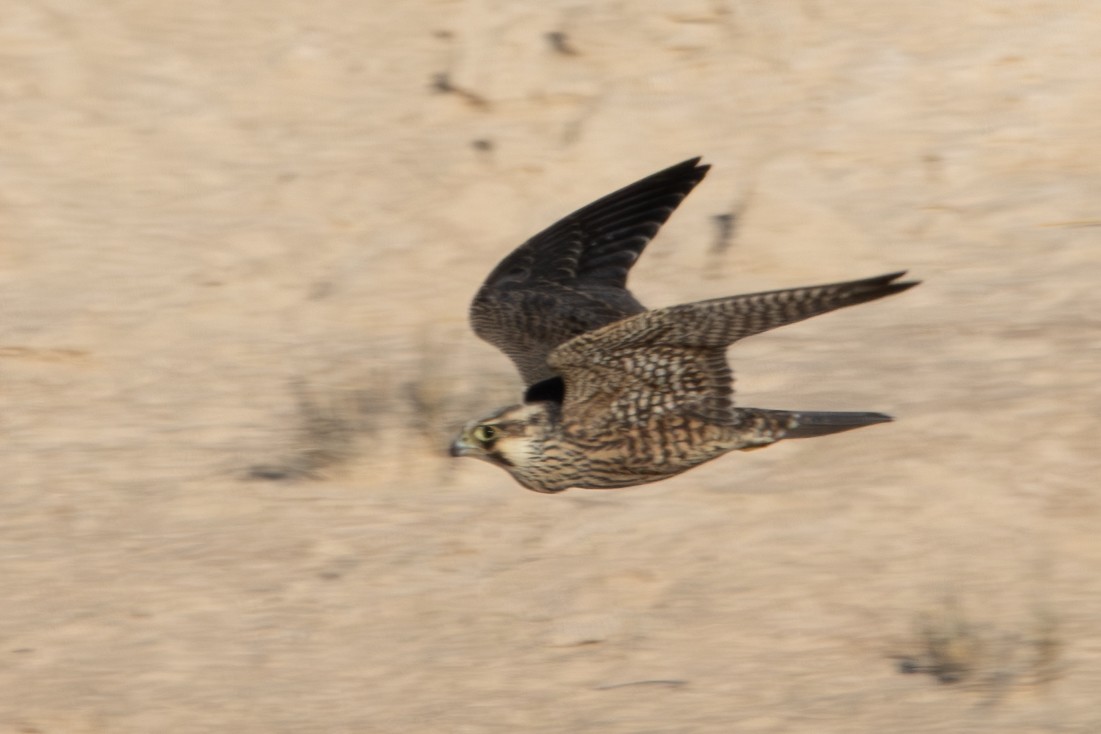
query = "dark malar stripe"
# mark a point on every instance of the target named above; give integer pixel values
(500, 458)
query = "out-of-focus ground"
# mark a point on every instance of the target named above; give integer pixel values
(244, 234)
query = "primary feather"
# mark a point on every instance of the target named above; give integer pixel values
(572, 277)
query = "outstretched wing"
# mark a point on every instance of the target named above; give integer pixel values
(673, 360)
(571, 278)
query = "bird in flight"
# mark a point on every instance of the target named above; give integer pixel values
(618, 395)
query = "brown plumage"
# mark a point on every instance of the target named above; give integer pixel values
(618, 395)
(572, 277)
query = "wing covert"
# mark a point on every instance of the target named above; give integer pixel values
(673, 360)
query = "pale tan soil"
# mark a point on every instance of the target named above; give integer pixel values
(242, 233)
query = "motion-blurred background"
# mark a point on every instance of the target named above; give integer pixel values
(237, 244)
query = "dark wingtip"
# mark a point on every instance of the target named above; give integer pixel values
(870, 289)
(889, 279)
(690, 169)
(689, 163)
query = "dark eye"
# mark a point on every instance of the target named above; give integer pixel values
(485, 434)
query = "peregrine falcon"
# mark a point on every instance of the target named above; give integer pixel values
(618, 395)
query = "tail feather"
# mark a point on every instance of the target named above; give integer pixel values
(807, 424)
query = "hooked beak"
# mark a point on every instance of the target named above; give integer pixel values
(460, 447)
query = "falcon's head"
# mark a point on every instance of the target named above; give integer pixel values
(514, 438)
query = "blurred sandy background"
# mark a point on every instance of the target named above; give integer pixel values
(237, 243)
